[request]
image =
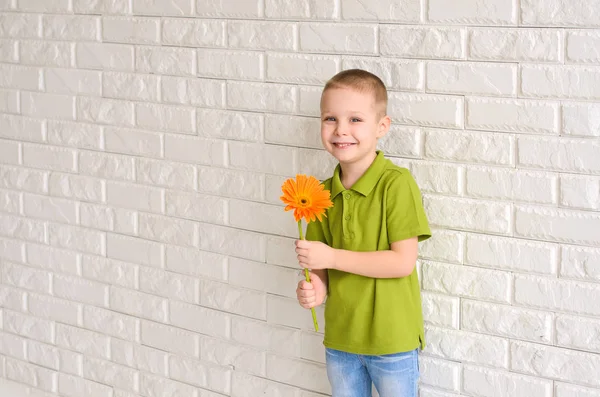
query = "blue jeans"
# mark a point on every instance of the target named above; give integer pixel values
(394, 375)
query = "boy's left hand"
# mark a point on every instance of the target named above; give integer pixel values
(315, 255)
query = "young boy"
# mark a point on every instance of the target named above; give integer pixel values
(363, 255)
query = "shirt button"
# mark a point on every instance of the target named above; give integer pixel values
(347, 217)
(347, 196)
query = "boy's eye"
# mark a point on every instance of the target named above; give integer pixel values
(329, 119)
(355, 120)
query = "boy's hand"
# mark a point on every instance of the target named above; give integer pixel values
(315, 255)
(311, 294)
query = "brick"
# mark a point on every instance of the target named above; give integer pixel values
(261, 97)
(294, 68)
(45, 53)
(18, 25)
(50, 6)
(20, 77)
(138, 304)
(526, 186)
(476, 12)
(9, 101)
(577, 333)
(467, 281)
(135, 142)
(468, 347)
(317, 163)
(488, 382)
(450, 212)
(106, 165)
(43, 355)
(131, 86)
(22, 228)
(101, 6)
(226, 354)
(245, 385)
(263, 277)
(469, 147)
(104, 56)
(33, 375)
(441, 310)
(511, 254)
(198, 207)
(8, 51)
(138, 356)
(310, 98)
(196, 92)
(404, 11)
(165, 118)
(231, 183)
(28, 326)
(556, 13)
(506, 321)
(74, 134)
(282, 9)
(262, 35)
(196, 263)
(231, 241)
(242, 65)
(552, 362)
(80, 290)
(286, 311)
(13, 346)
(9, 151)
(159, 386)
(73, 386)
(312, 347)
(107, 218)
(582, 46)
(76, 187)
(560, 82)
(293, 130)
(25, 277)
(105, 111)
(48, 105)
(437, 177)
(447, 246)
(161, 173)
(427, 110)
(581, 119)
(566, 390)
(71, 27)
(212, 123)
(169, 285)
(262, 158)
(472, 78)
(345, 38)
(126, 195)
(298, 373)
(193, 33)
(12, 298)
(562, 154)
(195, 150)
(512, 115)
(135, 30)
(169, 338)
(54, 209)
(12, 250)
(109, 271)
(165, 60)
(423, 42)
(89, 343)
(77, 238)
(275, 182)
(439, 373)
(396, 74)
(54, 259)
(229, 9)
(109, 373)
(504, 44)
(134, 250)
(580, 192)
(153, 7)
(557, 225)
(261, 217)
(579, 263)
(232, 299)
(552, 294)
(200, 319)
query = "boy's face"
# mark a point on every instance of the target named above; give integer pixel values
(351, 124)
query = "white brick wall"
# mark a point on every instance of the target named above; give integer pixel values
(143, 143)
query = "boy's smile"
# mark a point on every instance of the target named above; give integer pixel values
(351, 124)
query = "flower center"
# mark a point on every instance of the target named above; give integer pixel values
(304, 201)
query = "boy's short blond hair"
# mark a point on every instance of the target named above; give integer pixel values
(361, 81)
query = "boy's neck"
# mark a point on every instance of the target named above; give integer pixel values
(351, 172)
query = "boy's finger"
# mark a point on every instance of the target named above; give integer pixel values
(306, 285)
(302, 244)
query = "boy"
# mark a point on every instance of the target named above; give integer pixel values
(363, 255)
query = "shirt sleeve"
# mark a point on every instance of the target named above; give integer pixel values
(404, 210)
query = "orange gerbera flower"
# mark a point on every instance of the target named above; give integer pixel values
(306, 196)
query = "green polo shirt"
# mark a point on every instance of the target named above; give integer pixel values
(365, 315)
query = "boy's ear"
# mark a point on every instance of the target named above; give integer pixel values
(384, 126)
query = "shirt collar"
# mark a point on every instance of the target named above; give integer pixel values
(366, 182)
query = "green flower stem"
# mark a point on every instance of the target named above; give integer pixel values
(307, 276)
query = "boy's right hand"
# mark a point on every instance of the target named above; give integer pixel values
(311, 294)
